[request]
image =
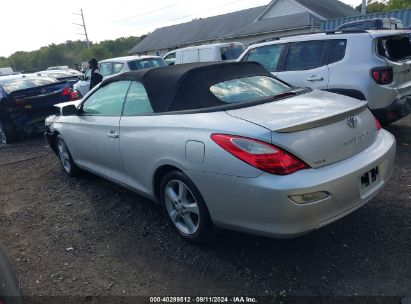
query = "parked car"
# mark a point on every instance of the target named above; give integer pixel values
(114, 66)
(228, 145)
(10, 292)
(64, 68)
(6, 71)
(61, 75)
(205, 53)
(26, 100)
(372, 24)
(367, 65)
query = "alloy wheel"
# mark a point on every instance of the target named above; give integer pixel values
(3, 138)
(64, 155)
(182, 207)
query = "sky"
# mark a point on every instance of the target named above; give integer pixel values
(27, 25)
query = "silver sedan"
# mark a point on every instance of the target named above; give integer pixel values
(227, 145)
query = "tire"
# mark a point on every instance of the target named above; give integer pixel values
(185, 208)
(6, 134)
(65, 158)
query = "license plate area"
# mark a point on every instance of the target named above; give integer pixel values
(370, 181)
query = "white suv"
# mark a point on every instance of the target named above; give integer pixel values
(114, 66)
(368, 65)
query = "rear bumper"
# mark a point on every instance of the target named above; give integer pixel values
(397, 110)
(262, 205)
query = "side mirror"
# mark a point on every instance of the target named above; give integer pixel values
(69, 110)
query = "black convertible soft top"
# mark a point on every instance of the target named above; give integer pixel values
(187, 86)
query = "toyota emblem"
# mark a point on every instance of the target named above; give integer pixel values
(352, 121)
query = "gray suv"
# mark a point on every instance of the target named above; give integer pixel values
(373, 65)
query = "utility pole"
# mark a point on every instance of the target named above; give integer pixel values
(83, 25)
(364, 7)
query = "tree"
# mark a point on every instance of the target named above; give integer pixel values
(68, 53)
(377, 6)
(4, 62)
(398, 4)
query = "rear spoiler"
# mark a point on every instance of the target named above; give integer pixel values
(324, 121)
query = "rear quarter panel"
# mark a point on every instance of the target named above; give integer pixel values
(149, 142)
(354, 72)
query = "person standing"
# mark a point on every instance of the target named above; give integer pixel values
(96, 76)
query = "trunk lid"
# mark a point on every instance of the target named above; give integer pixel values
(41, 98)
(320, 128)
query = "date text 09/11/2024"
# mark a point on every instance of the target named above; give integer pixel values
(200, 299)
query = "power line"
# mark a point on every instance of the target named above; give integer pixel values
(147, 13)
(191, 15)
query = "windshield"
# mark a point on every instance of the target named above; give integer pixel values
(146, 63)
(13, 85)
(248, 89)
(231, 52)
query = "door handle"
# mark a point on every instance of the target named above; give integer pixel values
(112, 134)
(315, 78)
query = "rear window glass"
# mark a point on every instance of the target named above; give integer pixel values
(231, 52)
(146, 64)
(248, 89)
(26, 83)
(395, 48)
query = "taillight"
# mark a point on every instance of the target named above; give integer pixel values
(73, 95)
(260, 154)
(66, 91)
(377, 123)
(382, 75)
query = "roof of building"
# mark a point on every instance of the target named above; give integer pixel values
(329, 9)
(197, 30)
(241, 23)
(273, 24)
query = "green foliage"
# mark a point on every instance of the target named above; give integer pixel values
(398, 4)
(68, 53)
(377, 6)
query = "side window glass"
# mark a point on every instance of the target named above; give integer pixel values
(305, 55)
(137, 101)
(105, 69)
(170, 59)
(88, 74)
(336, 50)
(268, 56)
(117, 67)
(107, 100)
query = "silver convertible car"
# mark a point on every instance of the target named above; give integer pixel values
(227, 145)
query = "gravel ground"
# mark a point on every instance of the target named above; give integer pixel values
(88, 236)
